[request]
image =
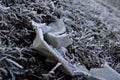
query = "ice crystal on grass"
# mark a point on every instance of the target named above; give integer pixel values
(92, 24)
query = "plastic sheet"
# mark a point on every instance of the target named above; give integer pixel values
(49, 42)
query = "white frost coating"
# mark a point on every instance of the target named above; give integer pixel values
(107, 73)
(57, 27)
(57, 37)
(45, 29)
(48, 48)
(45, 49)
(58, 40)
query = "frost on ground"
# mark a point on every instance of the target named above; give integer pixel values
(92, 24)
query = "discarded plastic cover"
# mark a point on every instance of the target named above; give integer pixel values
(49, 42)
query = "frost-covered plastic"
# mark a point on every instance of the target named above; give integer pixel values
(51, 41)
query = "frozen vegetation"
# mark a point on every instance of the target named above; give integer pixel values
(59, 40)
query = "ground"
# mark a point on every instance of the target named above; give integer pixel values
(92, 24)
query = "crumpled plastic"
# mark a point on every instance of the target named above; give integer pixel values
(51, 41)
